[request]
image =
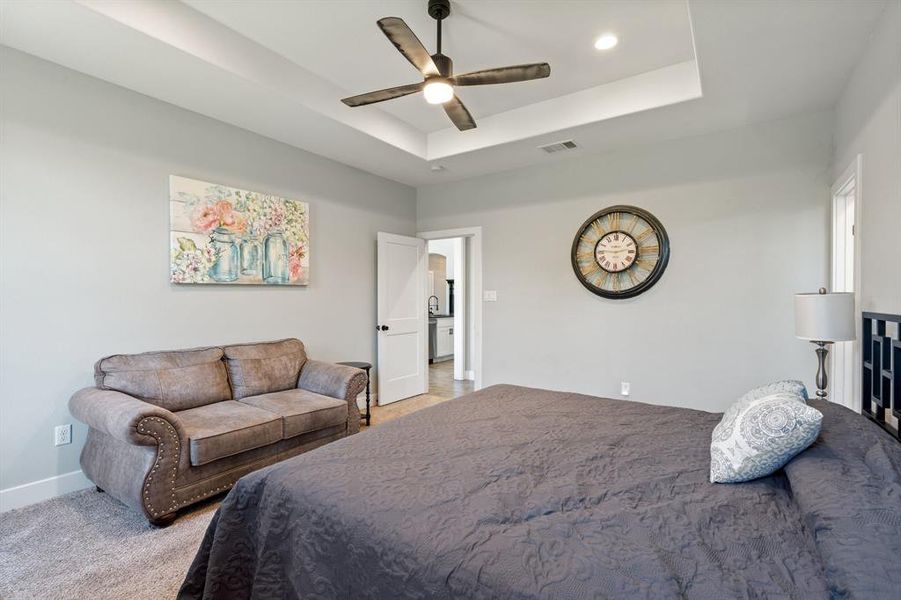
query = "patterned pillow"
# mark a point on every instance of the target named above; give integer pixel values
(761, 437)
(792, 386)
(787, 386)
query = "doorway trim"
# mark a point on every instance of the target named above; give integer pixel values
(475, 236)
(844, 369)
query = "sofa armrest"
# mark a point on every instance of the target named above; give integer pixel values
(337, 381)
(121, 416)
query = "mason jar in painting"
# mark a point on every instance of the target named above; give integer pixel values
(251, 255)
(225, 269)
(275, 258)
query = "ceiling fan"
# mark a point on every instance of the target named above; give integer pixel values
(438, 70)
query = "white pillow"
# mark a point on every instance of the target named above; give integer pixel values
(758, 437)
(786, 386)
(792, 386)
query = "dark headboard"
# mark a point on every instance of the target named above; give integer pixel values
(881, 376)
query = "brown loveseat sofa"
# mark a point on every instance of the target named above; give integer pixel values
(168, 429)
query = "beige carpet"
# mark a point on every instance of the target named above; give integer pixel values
(88, 545)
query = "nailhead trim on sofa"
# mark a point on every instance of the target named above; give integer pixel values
(144, 427)
(149, 429)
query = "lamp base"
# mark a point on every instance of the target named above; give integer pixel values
(822, 379)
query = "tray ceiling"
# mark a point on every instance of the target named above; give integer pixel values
(280, 67)
(352, 53)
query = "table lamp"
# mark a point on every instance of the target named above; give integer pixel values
(823, 319)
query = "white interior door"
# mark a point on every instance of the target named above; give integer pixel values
(402, 317)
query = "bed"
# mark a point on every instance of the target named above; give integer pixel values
(514, 492)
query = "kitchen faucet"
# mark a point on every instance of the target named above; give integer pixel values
(432, 309)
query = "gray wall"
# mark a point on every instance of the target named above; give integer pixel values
(84, 241)
(747, 215)
(868, 122)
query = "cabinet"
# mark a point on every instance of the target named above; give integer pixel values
(444, 346)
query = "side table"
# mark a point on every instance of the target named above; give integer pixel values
(366, 367)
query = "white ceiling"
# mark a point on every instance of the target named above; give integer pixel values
(280, 67)
(340, 42)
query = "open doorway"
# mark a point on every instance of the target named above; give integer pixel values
(406, 295)
(455, 362)
(845, 278)
(448, 312)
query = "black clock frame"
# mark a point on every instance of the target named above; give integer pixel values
(656, 273)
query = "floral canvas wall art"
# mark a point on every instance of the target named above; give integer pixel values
(226, 235)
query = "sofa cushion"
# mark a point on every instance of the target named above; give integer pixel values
(174, 380)
(264, 367)
(301, 411)
(228, 428)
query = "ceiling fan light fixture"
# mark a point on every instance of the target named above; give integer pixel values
(437, 71)
(606, 41)
(438, 91)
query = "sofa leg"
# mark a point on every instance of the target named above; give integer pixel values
(99, 489)
(163, 521)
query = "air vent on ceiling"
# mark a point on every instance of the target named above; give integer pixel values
(558, 147)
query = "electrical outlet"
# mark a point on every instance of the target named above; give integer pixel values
(62, 435)
(489, 296)
(624, 388)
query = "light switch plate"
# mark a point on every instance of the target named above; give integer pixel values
(490, 296)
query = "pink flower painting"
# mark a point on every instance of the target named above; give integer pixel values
(220, 234)
(207, 217)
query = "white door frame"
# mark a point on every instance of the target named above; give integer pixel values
(845, 369)
(462, 301)
(475, 237)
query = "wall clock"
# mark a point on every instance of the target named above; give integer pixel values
(620, 252)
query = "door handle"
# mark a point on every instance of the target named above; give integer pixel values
(381, 328)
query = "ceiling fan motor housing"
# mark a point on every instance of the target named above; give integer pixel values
(439, 9)
(445, 65)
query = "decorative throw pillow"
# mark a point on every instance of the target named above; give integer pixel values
(761, 436)
(787, 386)
(791, 386)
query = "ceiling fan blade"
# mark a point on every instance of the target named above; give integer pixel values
(382, 95)
(504, 74)
(408, 44)
(458, 114)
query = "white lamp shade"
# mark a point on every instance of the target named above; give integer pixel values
(825, 317)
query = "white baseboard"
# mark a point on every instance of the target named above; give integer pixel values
(469, 375)
(44, 489)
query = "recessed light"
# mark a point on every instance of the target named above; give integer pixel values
(606, 41)
(437, 168)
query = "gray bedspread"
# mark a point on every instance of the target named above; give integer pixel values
(522, 493)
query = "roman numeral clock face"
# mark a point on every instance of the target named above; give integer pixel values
(620, 252)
